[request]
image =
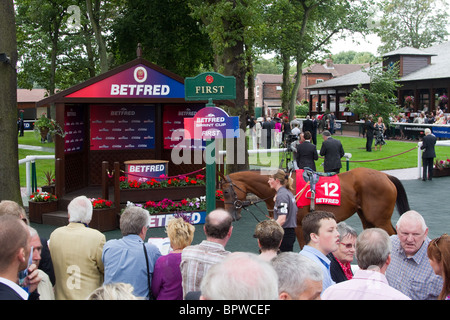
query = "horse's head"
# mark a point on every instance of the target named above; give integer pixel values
(234, 196)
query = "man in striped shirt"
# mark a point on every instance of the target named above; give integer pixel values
(410, 271)
(197, 259)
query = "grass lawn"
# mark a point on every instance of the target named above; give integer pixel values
(353, 145)
(42, 166)
(357, 147)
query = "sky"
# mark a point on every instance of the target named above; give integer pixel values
(367, 43)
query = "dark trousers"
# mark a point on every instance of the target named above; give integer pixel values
(287, 244)
(427, 167)
(369, 143)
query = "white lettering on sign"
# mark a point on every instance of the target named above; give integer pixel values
(139, 90)
(148, 168)
(210, 119)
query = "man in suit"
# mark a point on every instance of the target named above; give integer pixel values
(267, 127)
(369, 134)
(428, 155)
(14, 257)
(333, 151)
(306, 153)
(76, 252)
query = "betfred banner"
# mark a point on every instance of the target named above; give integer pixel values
(122, 127)
(74, 129)
(173, 125)
(136, 82)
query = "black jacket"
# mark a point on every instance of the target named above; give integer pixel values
(306, 155)
(428, 143)
(333, 151)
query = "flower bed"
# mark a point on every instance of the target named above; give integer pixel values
(161, 188)
(40, 203)
(104, 215)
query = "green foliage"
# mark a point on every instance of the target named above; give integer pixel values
(170, 36)
(302, 109)
(379, 98)
(412, 23)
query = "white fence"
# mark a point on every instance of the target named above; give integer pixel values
(29, 160)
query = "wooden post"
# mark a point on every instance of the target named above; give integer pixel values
(117, 186)
(105, 180)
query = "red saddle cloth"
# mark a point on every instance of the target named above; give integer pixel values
(328, 190)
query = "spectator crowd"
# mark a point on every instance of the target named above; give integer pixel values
(77, 263)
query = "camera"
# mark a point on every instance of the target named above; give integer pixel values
(290, 139)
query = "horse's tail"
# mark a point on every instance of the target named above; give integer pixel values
(402, 199)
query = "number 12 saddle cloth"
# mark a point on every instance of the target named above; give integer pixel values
(326, 188)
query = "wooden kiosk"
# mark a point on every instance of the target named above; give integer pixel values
(128, 113)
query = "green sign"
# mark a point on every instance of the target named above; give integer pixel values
(210, 85)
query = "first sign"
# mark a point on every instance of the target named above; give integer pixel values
(210, 85)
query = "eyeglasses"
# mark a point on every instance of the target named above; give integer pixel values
(348, 245)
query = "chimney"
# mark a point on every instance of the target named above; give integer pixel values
(329, 63)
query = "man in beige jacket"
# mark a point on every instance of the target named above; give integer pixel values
(76, 252)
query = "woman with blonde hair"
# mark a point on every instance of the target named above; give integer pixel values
(439, 255)
(166, 283)
(285, 208)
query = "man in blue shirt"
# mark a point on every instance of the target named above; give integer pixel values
(321, 237)
(125, 259)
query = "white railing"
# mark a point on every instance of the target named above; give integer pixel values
(419, 155)
(28, 161)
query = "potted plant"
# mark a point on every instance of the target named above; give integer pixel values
(220, 201)
(44, 126)
(157, 188)
(441, 167)
(104, 215)
(40, 203)
(49, 178)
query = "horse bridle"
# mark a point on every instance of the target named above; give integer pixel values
(239, 204)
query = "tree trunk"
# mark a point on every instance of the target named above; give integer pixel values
(95, 22)
(286, 84)
(234, 65)
(9, 167)
(295, 87)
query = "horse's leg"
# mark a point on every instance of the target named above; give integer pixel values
(378, 216)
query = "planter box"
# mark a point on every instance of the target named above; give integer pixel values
(441, 173)
(161, 220)
(158, 194)
(104, 219)
(36, 209)
(49, 189)
(220, 204)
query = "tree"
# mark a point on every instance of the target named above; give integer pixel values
(233, 28)
(9, 167)
(379, 99)
(302, 29)
(173, 41)
(412, 23)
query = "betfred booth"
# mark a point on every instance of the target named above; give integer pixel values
(126, 122)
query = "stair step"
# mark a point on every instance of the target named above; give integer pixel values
(57, 218)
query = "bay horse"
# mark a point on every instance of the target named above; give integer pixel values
(370, 193)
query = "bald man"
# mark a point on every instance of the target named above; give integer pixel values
(197, 259)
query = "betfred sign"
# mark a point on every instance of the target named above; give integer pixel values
(144, 170)
(211, 123)
(210, 85)
(136, 82)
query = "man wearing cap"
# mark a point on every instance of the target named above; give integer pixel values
(332, 151)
